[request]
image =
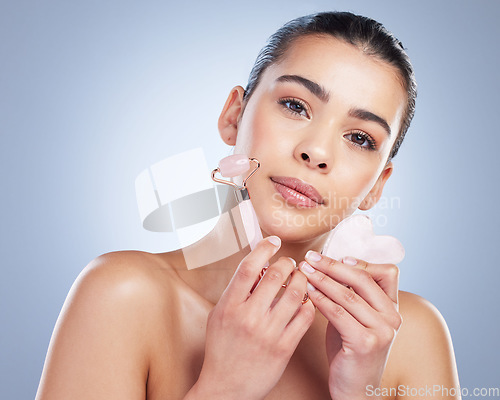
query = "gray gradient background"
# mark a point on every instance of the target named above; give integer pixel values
(93, 92)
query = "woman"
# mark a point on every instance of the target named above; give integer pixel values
(328, 103)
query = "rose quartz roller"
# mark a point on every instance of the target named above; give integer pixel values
(230, 167)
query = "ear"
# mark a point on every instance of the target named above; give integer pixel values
(230, 116)
(374, 196)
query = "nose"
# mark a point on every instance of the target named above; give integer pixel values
(314, 156)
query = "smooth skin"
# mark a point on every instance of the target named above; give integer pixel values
(138, 325)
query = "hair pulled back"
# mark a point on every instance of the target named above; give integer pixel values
(368, 35)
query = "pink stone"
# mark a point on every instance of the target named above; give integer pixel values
(250, 223)
(234, 165)
(354, 237)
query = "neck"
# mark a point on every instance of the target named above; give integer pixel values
(298, 250)
(208, 265)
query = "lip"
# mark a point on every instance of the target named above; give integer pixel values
(297, 192)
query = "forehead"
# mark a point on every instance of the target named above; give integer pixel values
(353, 78)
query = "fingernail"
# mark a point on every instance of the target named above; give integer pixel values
(349, 261)
(305, 267)
(313, 256)
(275, 240)
(310, 288)
(292, 260)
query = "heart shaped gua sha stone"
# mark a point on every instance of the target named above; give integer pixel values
(354, 237)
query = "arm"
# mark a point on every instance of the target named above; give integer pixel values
(363, 320)
(251, 335)
(99, 346)
(363, 323)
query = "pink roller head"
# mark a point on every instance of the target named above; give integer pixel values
(354, 237)
(234, 165)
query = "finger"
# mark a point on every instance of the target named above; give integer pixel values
(341, 295)
(270, 284)
(358, 278)
(343, 321)
(249, 269)
(385, 275)
(291, 299)
(299, 325)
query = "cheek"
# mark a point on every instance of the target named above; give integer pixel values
(261, 130)
(352, 181)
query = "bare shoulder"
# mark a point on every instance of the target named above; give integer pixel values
(136, 287)
(127, 261)
(103, 340)
(125, 278)
(419, 310)
(422, 324)
(129, 272)
(423, 350)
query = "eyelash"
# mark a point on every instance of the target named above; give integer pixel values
(291, 100)
(372, 145)
(283, 102)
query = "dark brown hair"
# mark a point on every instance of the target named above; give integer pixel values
(368, 35)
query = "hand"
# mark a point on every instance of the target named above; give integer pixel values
(360, 301)
(251, 335)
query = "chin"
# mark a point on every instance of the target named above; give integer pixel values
(292, 227)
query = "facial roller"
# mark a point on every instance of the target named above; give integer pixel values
(236, 165)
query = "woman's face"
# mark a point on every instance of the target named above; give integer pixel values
(326, 116)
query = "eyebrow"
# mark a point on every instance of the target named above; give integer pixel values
(324, 96)
(369, 116)
(313, 87)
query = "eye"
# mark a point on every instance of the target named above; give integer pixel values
(295, 106)
(361, 139)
